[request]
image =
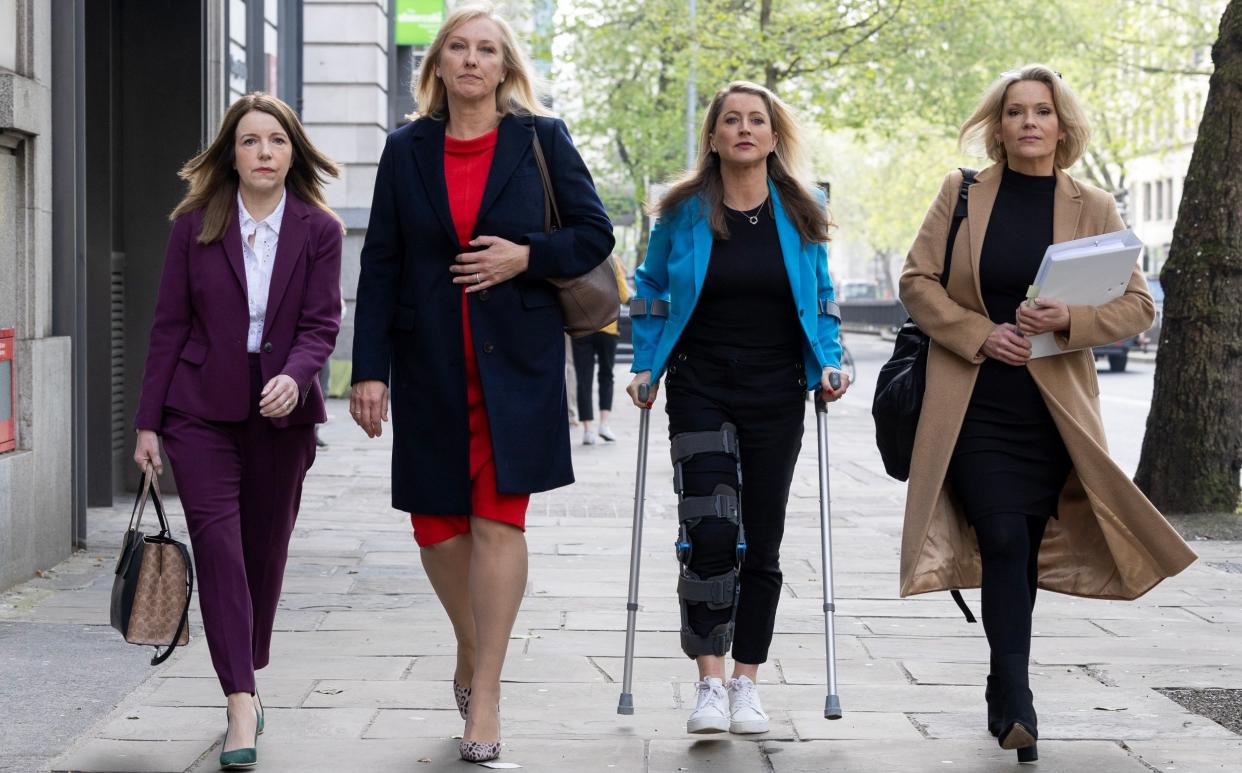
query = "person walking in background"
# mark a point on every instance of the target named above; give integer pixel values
(1011, 486)
(735, 301)
(571, 382)
(453, 301)
(247, 314)
(325, 379)
(602, 345)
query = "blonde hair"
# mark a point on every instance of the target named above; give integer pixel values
(213, 180)
(787, 168)
(517, 93)
(978, 134)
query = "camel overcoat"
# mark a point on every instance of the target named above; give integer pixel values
(1108, 541)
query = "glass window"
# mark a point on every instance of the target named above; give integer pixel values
(271, 54)
(1160, 199)
(8, 34)
(237, 49)
(1147, 202)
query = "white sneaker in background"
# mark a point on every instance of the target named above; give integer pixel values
(711, 711)
(746, 714)
(588, 437)
(605, 432)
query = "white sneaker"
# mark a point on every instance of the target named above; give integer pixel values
(588, 438)
(746, 714)
(711, 712)
(605, 432)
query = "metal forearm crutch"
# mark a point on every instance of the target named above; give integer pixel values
(626, 704)
(832, 704)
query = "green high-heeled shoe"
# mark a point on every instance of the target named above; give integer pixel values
(239, 759)
(258, 704)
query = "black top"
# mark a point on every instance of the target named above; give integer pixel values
(747, 301)
(1019, 231)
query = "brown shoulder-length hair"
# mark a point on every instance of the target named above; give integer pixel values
(213, 181)
(518, 93)
(786, 167)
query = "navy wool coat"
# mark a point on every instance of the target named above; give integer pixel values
(407, 324)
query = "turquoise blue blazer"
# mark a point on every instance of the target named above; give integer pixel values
(678, 252)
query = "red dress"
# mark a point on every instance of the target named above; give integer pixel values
(466, 165)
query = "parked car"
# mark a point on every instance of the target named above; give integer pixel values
(858, 290)
(1118, 352)
(1157, 295)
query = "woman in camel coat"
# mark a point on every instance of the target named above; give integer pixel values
(1092, 535)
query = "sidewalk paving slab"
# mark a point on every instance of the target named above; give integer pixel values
(363, 654)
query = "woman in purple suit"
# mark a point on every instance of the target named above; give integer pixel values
(248, 311)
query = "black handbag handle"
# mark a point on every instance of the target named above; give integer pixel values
(150, 488)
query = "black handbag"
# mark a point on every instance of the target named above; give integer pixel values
(154, 581)
(899, 388)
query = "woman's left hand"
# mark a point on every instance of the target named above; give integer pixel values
(830, 394)
(1046, 315)
(498, 261)
(279, 397)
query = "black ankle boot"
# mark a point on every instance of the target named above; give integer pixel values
(993, 696)
(1019, 725)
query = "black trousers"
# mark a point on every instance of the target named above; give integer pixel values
(586, 349)
(763, 394)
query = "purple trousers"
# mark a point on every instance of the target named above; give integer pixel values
(240, 485)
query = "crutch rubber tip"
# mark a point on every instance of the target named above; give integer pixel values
(626, 704)
(832, 707)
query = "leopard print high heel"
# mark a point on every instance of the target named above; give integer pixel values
(479, 751)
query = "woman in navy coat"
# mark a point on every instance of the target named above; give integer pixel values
(456, 319)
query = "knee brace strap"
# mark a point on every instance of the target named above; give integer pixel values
(720, 505)
(715, 643)
(722, 441)
(716, 592)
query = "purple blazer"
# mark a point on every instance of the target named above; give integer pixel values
(197, 361)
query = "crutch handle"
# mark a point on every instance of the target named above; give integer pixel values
(834, 381)
(644, 390)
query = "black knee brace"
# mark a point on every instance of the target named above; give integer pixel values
(721, 591)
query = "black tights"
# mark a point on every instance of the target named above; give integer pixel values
(1009, 548)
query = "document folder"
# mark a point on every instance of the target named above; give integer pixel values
(1084, 272)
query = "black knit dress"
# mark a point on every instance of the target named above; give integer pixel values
(1009, 456)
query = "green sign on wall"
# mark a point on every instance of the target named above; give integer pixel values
(418, 21)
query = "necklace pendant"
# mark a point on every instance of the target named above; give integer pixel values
(754, 219)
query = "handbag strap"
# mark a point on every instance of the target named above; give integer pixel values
(959, 214)
(150, 489)
(551, 214)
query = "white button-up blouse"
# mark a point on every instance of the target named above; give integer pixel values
(259, 260)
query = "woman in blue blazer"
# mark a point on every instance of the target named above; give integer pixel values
(735, 308)
(456, 316)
